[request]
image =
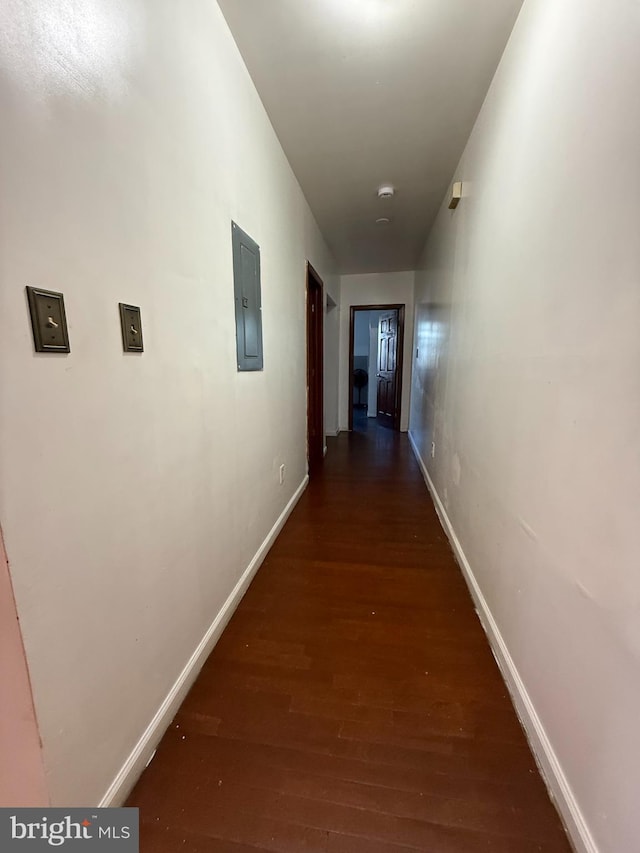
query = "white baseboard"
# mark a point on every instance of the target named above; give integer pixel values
(543, 751)
(145, 747)
(333, 433)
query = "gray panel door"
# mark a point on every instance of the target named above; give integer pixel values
(246, 278)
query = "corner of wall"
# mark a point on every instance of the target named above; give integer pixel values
(22, 774)
(144, 749)
(546, 759)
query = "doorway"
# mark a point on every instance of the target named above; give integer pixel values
(376, 340)
(315, 381)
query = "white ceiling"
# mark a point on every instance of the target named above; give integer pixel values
(366, 92)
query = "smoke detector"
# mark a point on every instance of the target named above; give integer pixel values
(386, 191)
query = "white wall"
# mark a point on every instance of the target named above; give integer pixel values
(136, 490)
(372, 394)
(375, 289)
(528, 329)
(361, 333)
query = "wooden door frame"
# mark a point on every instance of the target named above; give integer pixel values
(400, 308)
(315, 368)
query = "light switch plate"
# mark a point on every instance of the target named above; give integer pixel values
(48, 320)
(456, 195)
(131, 323)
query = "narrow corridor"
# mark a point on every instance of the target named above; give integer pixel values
(353, 703)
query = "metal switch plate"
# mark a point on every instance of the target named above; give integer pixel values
(48, 320)
(131, 323)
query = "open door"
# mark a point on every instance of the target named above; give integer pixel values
(388, 366)
(315, 382)
(387, 373)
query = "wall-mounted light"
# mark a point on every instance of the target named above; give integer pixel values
(456, 195)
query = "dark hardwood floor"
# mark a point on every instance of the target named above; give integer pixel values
(352, 703)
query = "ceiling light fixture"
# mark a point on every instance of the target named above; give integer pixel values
(386, 191)
(384, 220)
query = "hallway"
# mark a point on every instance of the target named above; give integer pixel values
(352, 703)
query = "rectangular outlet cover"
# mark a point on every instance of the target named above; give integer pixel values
(131, 322)
(48, 320)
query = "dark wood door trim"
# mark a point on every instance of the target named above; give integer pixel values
(315, 373)
(400, 308)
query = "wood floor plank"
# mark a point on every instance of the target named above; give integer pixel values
(217, 759)
(353, 703)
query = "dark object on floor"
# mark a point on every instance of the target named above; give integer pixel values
(360, 381)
